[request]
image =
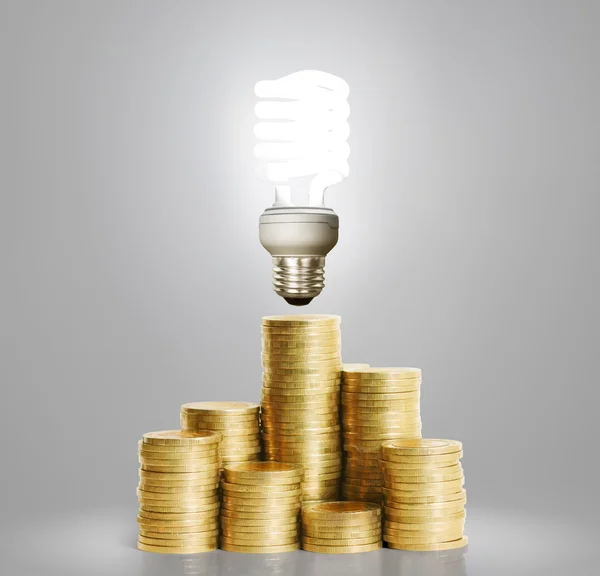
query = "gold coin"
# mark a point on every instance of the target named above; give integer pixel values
(416, 498)
(301, 320)
(352, 367)
(415, 529)
(421, 447)
(405, 515)
(326, 373)
(327, 364)
(318, 329)
(178, 497)
(413, 476)
(341, 533)
(323, 338)
(259, 526)
(175, 469)
(361, 437)
(193, 540)
(314, 460)
(168, 452)
(176, 531)
(403, 468)
(233, 429)
(399, 537)
(221, 408)
(178, 535)
(425, 461)
(218, 418)
(380, 386)
(426, 488)
(197, 549)
(366, 483)
(428, 520)
(341, 549)
(429, 507)
(340, 541)
(285, 489)
(264, 507)
(401, 405)
(267, 538)
(301, 355)
(263, 515)
(431, 546)
(373, 373)
(299, 381)
(240, 473)
(189, 509)
(317, 357)
(296, 342)
(247, 500)
(259, 549)
(341, 510)
(261, 540)
(237, 459)
(181, 438)
(191, 490)
(182, 451)
(196, 520)
(168, 462)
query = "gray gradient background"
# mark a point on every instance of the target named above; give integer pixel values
(133, 280)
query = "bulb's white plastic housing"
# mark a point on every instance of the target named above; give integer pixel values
(302, 131)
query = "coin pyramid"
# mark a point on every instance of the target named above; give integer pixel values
(301, 357)
(423, 494)
(261, 505)
(378, 404)
(341, 527)
(310, 467)
(178, 492)
(236, 421)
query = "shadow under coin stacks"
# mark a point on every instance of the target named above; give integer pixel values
(178, 492)
(378, 404)
(341, 527)
(302, 365)
(236, 421)
(261, 507)
(424, 496)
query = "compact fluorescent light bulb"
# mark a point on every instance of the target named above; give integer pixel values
(302, 131)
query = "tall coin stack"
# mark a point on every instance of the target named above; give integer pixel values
(341, 527)
(261, 507)
(302, 365)
(423, 494)
(378, 404)
(178, 492)
(236, 421)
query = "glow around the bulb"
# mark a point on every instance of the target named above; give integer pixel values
(303, 131)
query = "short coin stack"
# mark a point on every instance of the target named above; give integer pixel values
(424, 496)
(236, 421)
(302, 367)
(178, 492)
(378, 404)
(341, 527)
(261, 507)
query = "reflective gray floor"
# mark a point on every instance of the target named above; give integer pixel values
(103, 542)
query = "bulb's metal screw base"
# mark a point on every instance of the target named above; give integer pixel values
(298, 279)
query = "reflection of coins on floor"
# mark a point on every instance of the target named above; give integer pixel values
(423, 493)
(301, 356)
(178, 492)
(341, 527)
(377, 404)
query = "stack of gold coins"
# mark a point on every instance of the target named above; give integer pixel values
(178, 492)
(423, 494)
(236, 421)
(378, 404)
(261, 507)
(302, 367)
(341, 527)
